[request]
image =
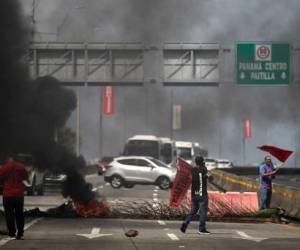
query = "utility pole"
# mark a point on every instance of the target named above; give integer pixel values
(33, 19)
(172, 115)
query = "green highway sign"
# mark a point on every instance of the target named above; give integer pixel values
(263, 63)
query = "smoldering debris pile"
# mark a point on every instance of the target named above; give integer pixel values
(149, 210)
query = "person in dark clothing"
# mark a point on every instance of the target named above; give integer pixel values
(199, 196)
(13, 173)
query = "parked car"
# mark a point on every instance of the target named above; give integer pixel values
(130, 170)
(223, 163)
(210, 163)
(103, 164)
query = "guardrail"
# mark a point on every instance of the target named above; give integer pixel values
(285, 197)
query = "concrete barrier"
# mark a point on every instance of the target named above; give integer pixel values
(285, 197)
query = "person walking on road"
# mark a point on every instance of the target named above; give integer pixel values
(13, 173)
(199, 196)
(267, 173)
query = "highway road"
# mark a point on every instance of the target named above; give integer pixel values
(105, 233)
(109, 234)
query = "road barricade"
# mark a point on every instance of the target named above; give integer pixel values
(283, 197)
(229, 203)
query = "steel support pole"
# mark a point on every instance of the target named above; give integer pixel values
(78, 123)
(101, 124)
(193, 64)
(172, 113)
(86, 65)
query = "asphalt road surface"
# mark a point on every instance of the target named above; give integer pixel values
(109, 234)
(91, 233)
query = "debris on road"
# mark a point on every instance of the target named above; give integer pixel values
(131, 233)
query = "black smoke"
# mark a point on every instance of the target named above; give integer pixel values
(32, 110)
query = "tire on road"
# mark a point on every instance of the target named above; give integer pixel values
(116, 181)
(163, 182)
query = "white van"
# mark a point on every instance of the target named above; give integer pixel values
(188, 150)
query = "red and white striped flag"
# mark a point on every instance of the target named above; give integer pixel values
(181, 183)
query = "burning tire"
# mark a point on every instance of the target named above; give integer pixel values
(116, 181)
(163, 182)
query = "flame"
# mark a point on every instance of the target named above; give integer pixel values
(93, 208)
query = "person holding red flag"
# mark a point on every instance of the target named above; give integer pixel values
(199, 196)
(267, 172)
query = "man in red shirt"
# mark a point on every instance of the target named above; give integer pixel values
(13, 173)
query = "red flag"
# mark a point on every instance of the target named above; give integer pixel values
(247, 129)
(108, 100)
(181, 183)
(280, 154)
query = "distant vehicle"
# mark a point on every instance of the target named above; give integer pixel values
(223, 163)
(130, 170)
(210, 163)
(35, 183)
(103, 164)
(54, 180)
(168, 151)
(188, 150)
(160, 148)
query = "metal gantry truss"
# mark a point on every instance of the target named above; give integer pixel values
(88, 64)
(191, 64)
(96, 64)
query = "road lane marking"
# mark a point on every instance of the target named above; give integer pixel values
(106, 184)
(100, 187)
(244, 235)
(95, 233)
(248, 237)
(4, 241)
(94, 189)
(160, 222)
(31, 223)
(155, 194)
(155, 199)
(173, 237)
(28, 225)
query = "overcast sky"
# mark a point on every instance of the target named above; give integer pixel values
(275, 121)
(166, 20)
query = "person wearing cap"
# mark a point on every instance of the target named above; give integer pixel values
(13, 173)
(199, 196)
(267, 173)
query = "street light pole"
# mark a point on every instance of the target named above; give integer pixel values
(78, 123)
(172, 114)
(101, 124)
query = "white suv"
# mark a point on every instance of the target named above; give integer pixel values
(131, 170)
